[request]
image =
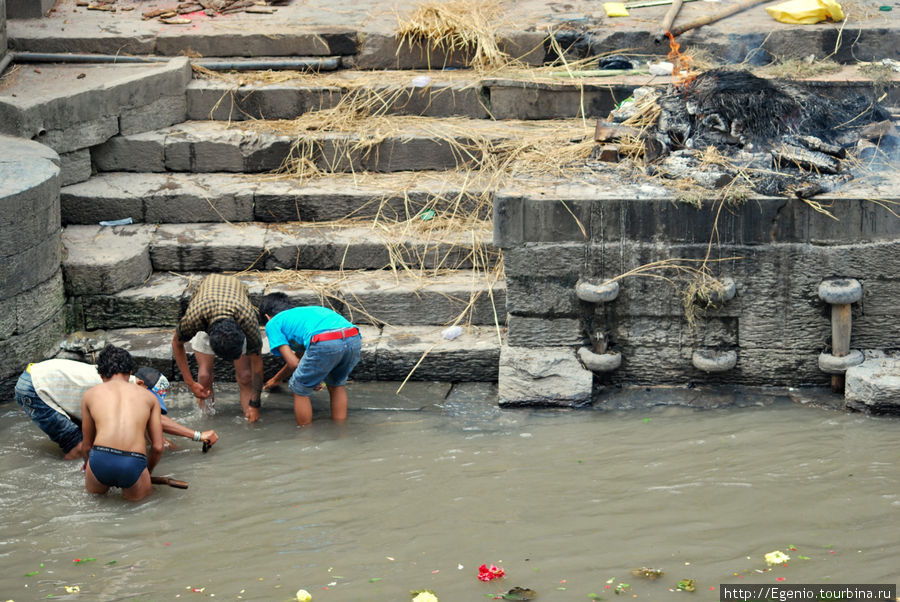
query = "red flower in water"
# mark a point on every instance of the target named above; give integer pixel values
(486, 573)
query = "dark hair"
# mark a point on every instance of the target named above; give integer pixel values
(226, 339)
(114, 360)
(272, 304)
(149, 375)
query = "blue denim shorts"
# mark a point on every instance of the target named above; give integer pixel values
(60, 428)
(328, 361)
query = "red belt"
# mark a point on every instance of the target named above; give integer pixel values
(335, 334)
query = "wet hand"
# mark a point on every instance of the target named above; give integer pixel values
(209, 438)
(271, 383)
(251, 414)
(199, 391)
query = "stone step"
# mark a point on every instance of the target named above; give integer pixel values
(398, 144)
(378, 297)
(104, 260)
(543, 94)
(193, 198)
(388, 353)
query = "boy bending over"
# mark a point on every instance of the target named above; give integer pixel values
(332, 345)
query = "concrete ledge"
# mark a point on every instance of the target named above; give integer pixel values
(27, 9)
(191, 198)
(237, 247)
(106, 259)
(610, 211)
(364, 297)
(441, 96)
(70, 107)
(386, 355)
(209, 146)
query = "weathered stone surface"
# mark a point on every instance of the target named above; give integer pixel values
(31, 346)
(262, 40)
(159, 301)
(106, 260)
(210, 99)
(24, 9)
(612, 212)
(527, 99)
(29, 196)
(138, 152)
(159, 198)
(542, 376)
(208, 247)
(544, 332)
(396, 300)
(473, 356)
(165, 111)
(148, 346)
(874, 385)
(550, 297)
(80, 135)
(74, 167)
(40, 304)
(336, 247)
(23, 270)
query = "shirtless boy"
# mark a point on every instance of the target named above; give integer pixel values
(116, 414)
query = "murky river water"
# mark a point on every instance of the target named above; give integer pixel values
(567, 503)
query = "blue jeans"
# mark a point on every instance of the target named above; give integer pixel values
(329, 361)
(60, 428)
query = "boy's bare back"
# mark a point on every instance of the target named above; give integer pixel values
(122, 413)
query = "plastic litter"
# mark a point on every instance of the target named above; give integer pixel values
(118, 222)
(452, 332)
(615, 9)
(663, 68)
(806, 12)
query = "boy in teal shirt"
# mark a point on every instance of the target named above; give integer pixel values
(329, 345)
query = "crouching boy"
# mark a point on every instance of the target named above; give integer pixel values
(115, 416)
(332, 345)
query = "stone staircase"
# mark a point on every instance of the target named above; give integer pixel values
(394, 234)
(388, 219)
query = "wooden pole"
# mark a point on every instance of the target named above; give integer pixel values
(705, 20)
(841, 322)
(667, 21)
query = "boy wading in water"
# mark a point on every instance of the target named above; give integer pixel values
(332, 345)
(116, 414)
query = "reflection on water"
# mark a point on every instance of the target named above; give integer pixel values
(566, 502)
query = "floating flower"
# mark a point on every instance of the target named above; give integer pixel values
(72, 589)
(425, 596)
(486, 573)
(303, 595)
(776, 557)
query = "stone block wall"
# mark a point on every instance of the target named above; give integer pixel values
(776, 251)
(32, 296)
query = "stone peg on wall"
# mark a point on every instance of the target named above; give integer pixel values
(598, 359)
(840, 293)
(596, 293)
(712, 360)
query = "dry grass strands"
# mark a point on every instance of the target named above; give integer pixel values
(466, 27)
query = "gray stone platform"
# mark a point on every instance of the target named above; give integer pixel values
(509, 94)
(388, 353)
(410, 144)
(100, 252)
(218, 197)
(365, 32)
(364, 297)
